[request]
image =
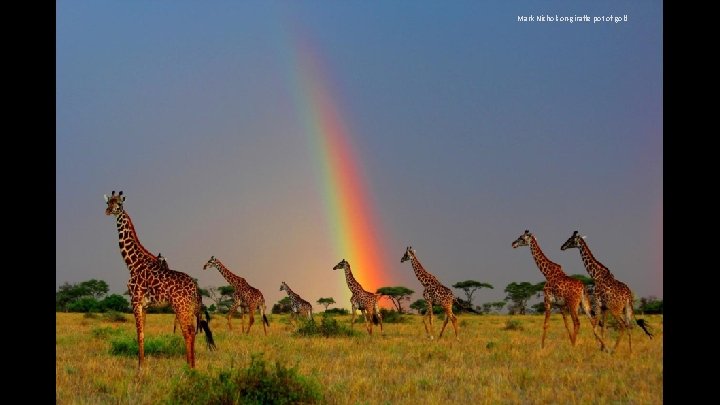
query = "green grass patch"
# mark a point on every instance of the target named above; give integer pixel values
(257, 384)
(163, 345)
(104, 332)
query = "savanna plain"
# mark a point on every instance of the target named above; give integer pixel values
(497, 360)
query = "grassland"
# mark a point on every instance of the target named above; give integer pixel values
(489, 365)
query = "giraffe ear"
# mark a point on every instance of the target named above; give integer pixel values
(106, 197)
(584, 236)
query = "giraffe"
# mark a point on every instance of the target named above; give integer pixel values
(434, 293)
(300, 307)
(245, 295)
(150, 283)
(365, 301)
(560, 289)
(610, 294)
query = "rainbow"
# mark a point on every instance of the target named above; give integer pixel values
(351, 218)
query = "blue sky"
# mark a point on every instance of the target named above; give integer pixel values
(468, 125)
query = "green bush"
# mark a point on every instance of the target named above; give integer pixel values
(328, 327)
(391, 316)
(337, 311)
(114, 316)
(513, 324)
(164, 345)
(258, 384)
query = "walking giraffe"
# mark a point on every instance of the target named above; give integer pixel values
(566, 292)
(363, 300)
(245, 294)
(610, 294)
(153, 283)
(300, 307)
(434, 293)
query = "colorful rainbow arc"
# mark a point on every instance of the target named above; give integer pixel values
(353, 223)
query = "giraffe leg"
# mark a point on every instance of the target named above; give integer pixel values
(427, 320)
(576, 323)
(251, 319)
(140, 325)
(621, 327)
(629, 322)
(585, 304)
(379, 315)
(230, 312)
(188, 331)
(567, 327)
(368, 321)
(352, 320)
(545, 323)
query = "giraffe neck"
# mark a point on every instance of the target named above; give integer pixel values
(425, 278)
(133, 252)
(351, 282)
(549, 269)
(293, 296)
(595, 269)
(233, 279)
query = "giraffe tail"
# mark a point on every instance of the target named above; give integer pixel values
(208, 335)
(266, 320)
(641, 323)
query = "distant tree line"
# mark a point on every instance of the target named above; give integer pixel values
(92, 296)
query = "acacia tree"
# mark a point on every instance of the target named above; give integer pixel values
(420, 306)
(496, 306)
(284, 306)
(326, 302)
(222, 297)
(397, 295)
(470, 286)
(520, 293)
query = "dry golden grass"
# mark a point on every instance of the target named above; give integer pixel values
(489, 365)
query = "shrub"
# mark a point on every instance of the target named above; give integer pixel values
(513, 324)
(258, 384)
(337, 311)
(328, 327)
(391, 316)
(114, 316)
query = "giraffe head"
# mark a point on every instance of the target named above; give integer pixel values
(572, 242)
(213, 262)
(114, 203)
(409, 254)
(162, 262)
(342, 265)
(523, 240)
(283, 286)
